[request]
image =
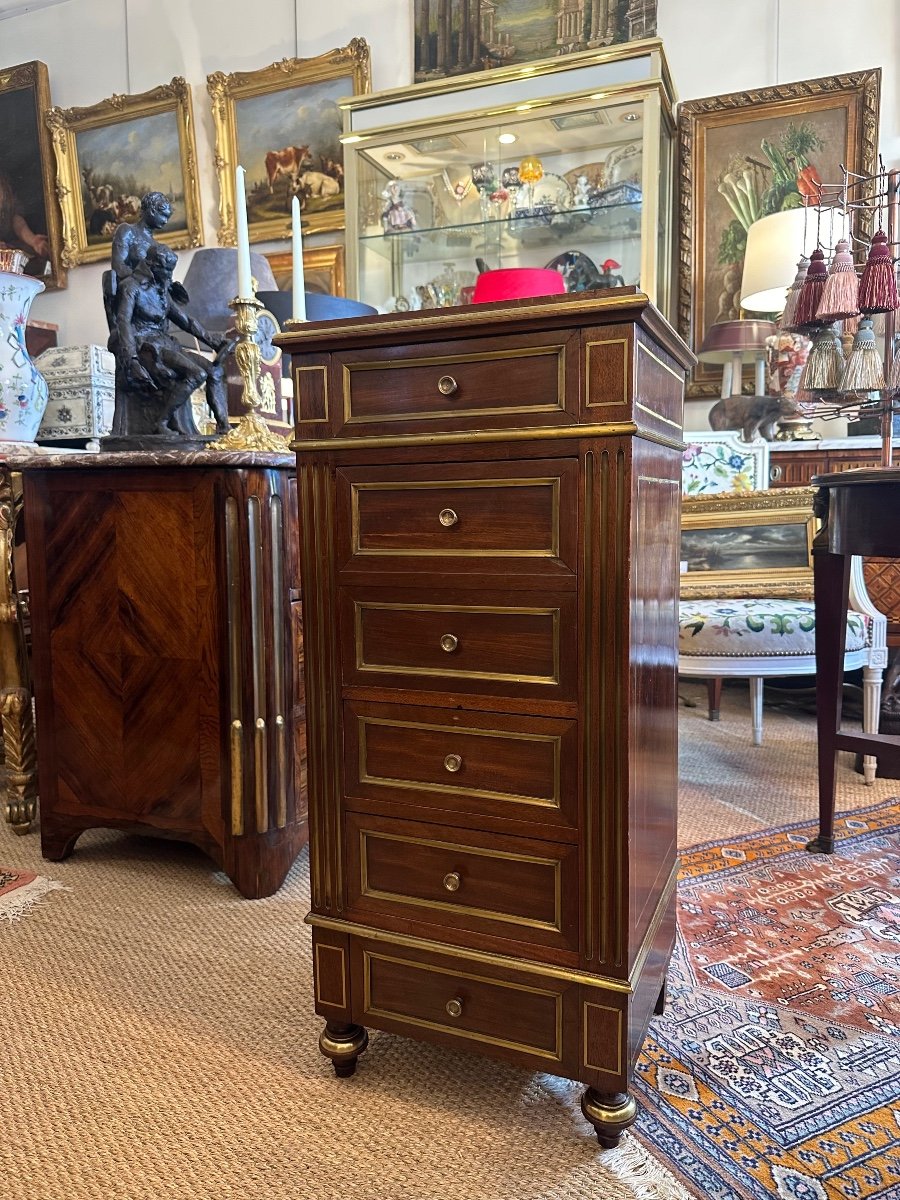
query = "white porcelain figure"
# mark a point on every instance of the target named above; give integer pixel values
(23, 390)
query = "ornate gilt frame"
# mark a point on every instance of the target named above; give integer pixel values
(782, 506)
(34, 76)
(329, 259)
(226, 90)
(66, 123)
(862, 91)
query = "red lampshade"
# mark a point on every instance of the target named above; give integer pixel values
(515, 283)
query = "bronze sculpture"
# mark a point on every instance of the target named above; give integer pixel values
(155, 375)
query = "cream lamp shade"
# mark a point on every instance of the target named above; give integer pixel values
(775, 243)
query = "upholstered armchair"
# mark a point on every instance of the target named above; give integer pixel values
(746, 605)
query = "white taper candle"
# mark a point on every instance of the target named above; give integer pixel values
(299, 287)
(245, 288)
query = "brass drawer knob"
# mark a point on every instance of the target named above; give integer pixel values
(454, 1007)
(452, 881)
(449, 642)
(447, 517)
(453, 762)
(447, 385)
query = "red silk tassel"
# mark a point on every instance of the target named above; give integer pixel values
(788, 318)
(840, 299)
(811, 292)
(878, 286)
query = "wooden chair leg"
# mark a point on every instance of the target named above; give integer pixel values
(714, 697)
(756, 708)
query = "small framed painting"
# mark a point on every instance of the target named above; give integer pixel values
(110, 154)
(323, 269)
(748, 544)
(29, 210)
(282, 124)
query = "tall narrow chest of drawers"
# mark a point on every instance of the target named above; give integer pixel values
(489, 506)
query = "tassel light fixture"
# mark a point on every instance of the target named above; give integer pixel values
(825, 364)
(787, 320)
(863, 371)
(840, 299)
(878, 285)
(811, 291)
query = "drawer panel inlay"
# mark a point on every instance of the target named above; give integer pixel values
(449, 641)
(470, 1006)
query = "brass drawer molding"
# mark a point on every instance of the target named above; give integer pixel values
(406, 732)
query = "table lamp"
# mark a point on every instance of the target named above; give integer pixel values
(728, 342)
(774, 245)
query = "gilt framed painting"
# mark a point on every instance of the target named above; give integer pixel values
(29, 210)
(110, 154)
(745, 156)
(282, 124)
(453, 37)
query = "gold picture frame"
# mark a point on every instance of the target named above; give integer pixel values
(267, 100)
(323, 269)
(748, 544)
(110, 153)
(827, 122)
(27, 168)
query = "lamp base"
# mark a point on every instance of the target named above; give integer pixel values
(252, 433)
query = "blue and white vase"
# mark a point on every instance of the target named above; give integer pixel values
(23, 389)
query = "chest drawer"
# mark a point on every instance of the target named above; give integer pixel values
(490, 646)
(468, 1003)
(478, 764)
(473, 383)
(489, 517)
(513, 887)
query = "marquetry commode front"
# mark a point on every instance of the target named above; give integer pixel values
(489, 502)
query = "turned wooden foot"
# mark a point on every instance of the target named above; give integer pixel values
(821, 845)
(660, 1007)
(610, 1113)
(343, 1044)
(57, 844)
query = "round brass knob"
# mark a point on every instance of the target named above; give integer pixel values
(447, 385)
(454, 1008)
(447, 517)
(452, 881)
(453, 762)
(449, 642)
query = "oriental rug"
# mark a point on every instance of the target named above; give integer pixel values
(21, 890)
(775, 1071)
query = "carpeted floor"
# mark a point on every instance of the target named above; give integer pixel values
(157, 1038)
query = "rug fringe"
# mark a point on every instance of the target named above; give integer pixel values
(15, 904)
(632, 1164)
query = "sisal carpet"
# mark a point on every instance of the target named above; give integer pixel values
(157, 1038)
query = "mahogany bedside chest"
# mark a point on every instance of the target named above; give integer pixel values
(167, 651)
(489, 510)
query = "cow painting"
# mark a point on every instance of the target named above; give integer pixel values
(288, 162)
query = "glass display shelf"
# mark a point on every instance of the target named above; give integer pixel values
(512, 168)
(507, 234)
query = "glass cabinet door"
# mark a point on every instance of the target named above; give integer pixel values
(580, 183)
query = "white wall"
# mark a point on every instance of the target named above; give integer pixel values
(96, 47)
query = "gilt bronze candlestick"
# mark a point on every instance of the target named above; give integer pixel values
(251, 432)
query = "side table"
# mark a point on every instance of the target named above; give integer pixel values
(167, 653)
(859, 510)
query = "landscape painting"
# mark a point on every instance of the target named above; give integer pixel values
(283, 125)
(110, 154)
(120, 163)
(289, 143)
(453, 37)
(770, 547)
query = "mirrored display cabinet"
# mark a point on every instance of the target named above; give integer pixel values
(567, 162)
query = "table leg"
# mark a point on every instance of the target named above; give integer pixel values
(831, 577)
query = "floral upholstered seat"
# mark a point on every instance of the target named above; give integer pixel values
(753, 627)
